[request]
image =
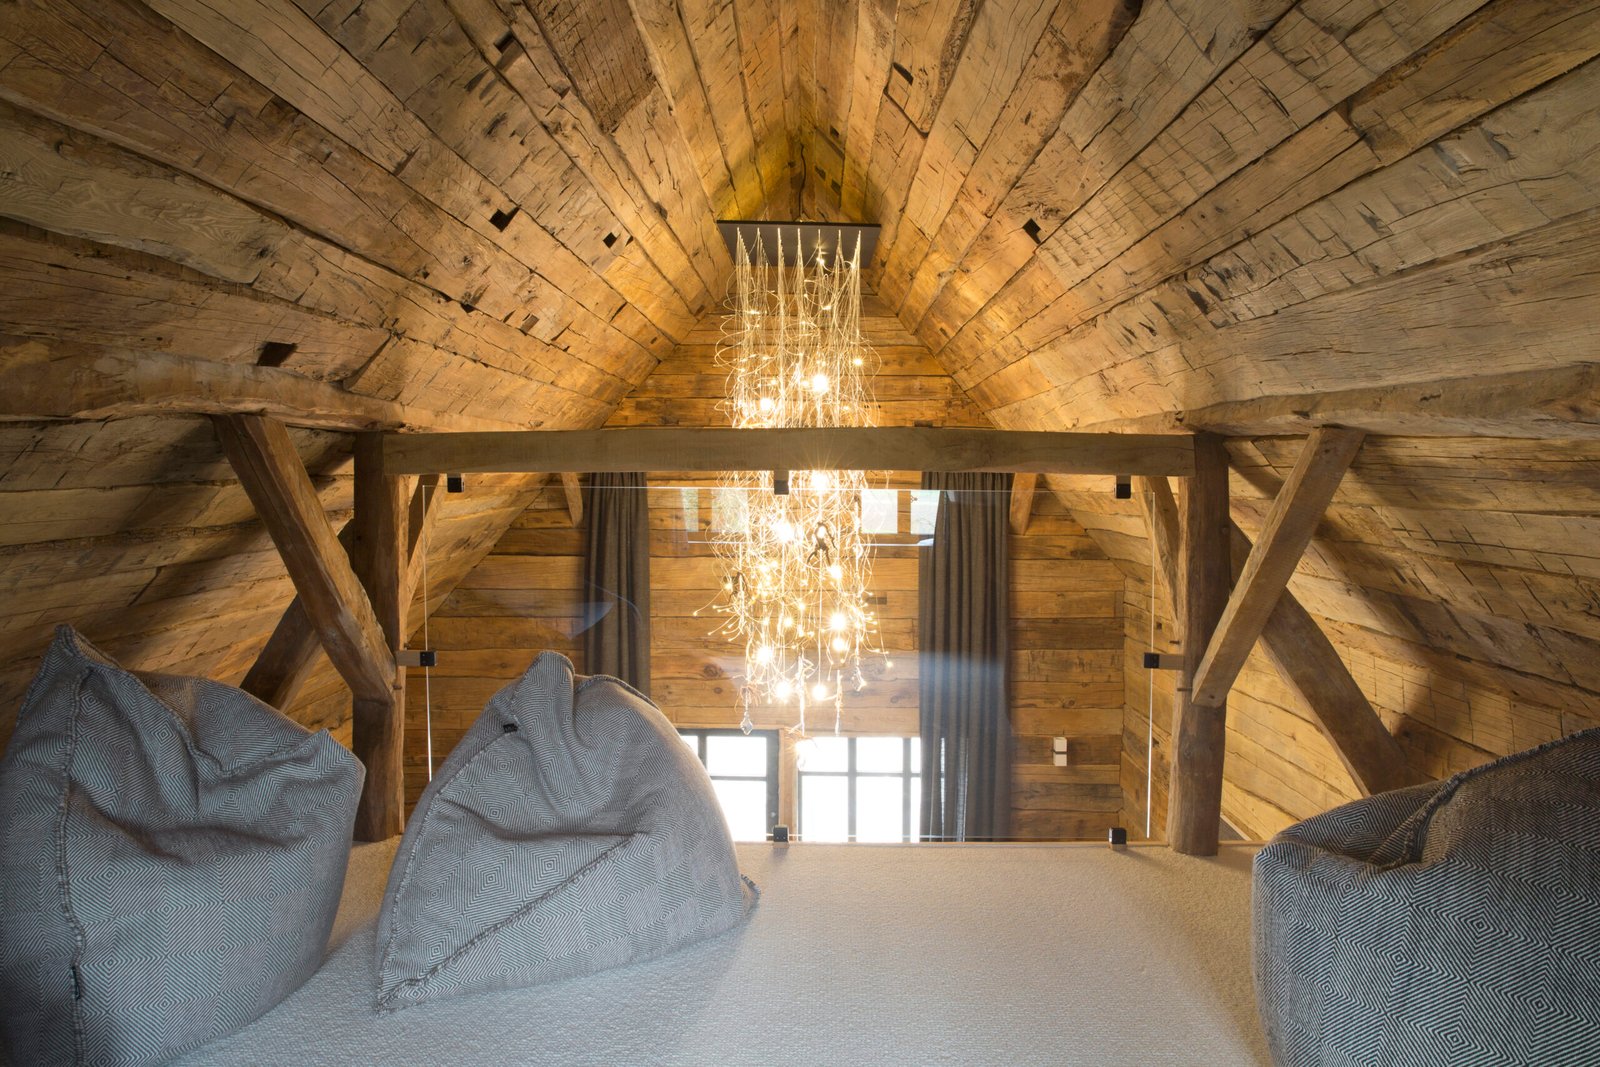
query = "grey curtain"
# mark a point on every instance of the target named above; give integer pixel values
(964, 613)
(616, 579)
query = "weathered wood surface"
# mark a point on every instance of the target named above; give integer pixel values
(1199, 740)
(1248, 218)
(1289, 526)
(851, 448)
(269, 468)
(1022, 490)
(378, 552)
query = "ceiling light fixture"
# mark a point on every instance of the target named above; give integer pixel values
(797, 567)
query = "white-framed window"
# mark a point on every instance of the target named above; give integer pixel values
(744, 772)
(860, 789)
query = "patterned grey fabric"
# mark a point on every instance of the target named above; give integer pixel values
(171, 857)
(1455, 923)
(569, 831)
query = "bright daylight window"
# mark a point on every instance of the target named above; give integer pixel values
(744, 773)
(860, 789)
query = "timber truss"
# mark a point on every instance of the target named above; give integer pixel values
(355, 589)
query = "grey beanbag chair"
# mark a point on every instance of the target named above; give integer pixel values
(171, 857)
(1450, 923)
(569, 831)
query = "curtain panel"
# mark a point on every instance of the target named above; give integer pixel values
(964, 615)
(616, 579)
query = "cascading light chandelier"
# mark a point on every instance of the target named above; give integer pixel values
(796, 565)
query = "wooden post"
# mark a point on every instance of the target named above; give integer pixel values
(1305, 659)
(378, 553)
(264, 458)
(1290, 525)
(1194, 809)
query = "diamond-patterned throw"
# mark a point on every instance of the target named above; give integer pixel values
(171, 856)
(1454, 923)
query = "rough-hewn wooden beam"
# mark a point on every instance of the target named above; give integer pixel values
(269, 468)
(378, 553)
(286, 660)
(1553, 403)
(574, 494)
(1288, 529)
(1022, 490)
(1162, 522)
(61, 380)
(289, 655)
(425, 506)
(1308, 662)
(875, 448)
(1194, 809)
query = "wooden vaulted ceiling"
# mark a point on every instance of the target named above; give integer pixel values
(1250, 216)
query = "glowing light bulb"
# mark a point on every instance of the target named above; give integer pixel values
(840, 644)
(788, 622)
(783, 690)
(835, 572)
(765, 655)
(856, 362)
(819, 383)
(819, 692)
(837, 621)
(784, 531)
(766, 404)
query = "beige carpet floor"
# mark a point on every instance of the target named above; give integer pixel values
(856, 954)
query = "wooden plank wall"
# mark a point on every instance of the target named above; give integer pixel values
(1067, 599)
(1243, 217)
(136, 532)
(1460, 601)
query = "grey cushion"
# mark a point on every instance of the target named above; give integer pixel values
(171, 856)
(1450, 923)
(569, 831)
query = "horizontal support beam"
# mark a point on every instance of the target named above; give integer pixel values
(899, 448)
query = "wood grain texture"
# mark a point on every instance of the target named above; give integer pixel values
(1199, 740)
(1289, 526)
(379, 555)
(1248, 218)
(269, 468)
(715, 449)
(1022, 490)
